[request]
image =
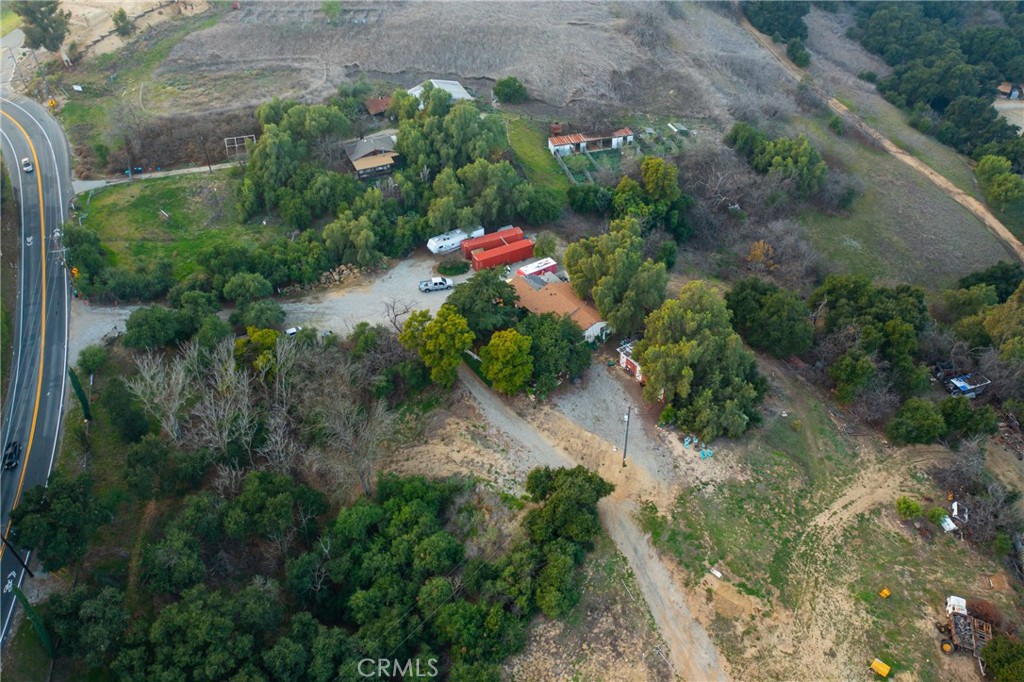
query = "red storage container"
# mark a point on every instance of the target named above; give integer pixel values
(492, 240)
(502, 255)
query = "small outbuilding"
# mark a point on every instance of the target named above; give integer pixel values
(627, 362)
(576, 143)
(377, 105)
(453, 88)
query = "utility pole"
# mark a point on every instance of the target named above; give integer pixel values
(17, 556)
(629, 409)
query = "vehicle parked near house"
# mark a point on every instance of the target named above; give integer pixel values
(435, 284)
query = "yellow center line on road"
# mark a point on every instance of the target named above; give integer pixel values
(42, 322)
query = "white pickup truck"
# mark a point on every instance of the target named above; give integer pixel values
(435, 284)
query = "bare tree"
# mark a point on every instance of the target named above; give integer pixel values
(162, 389)
(396, 311)
(228, 480)
(877, 403)
(1007, 377)
(990, 513)
(279, 448)
(965, 468)
(360, 434)
(226, 411)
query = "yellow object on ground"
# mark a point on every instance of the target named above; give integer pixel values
(880, 668)
(884, 594)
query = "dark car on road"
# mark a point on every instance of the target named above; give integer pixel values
(12, 454)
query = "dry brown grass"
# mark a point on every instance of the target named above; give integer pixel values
(694, 62)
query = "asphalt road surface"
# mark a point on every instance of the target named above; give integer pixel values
(35, 394)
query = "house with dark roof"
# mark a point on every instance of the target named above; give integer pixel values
(372, 156)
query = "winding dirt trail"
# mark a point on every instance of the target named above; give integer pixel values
(692, 654)
(978, 209)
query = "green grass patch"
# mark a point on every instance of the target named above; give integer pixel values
(891, 122)
(609, 160)
(756, 527)
(901, 226)
(531, 149)
(9, 19)
(25, 657)
(453, 267)
(1012, 217)
(199, 211)
(920, 577)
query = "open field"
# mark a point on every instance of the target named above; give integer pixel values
(805, 534)
(201, 212)
(901, 227)
(835, 64)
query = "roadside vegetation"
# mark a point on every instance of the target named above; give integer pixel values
(254, 466)
(8, 279)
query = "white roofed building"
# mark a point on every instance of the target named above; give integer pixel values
(453, 88)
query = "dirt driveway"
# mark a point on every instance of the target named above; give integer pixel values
(693, 655)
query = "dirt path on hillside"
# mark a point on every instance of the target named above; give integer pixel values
(979, 210)
(691, 651)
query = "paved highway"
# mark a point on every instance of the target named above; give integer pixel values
(35, 395)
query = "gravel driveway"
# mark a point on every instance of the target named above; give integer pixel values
(339, 310)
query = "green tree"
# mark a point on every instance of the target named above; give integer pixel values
(154, 327)
(610, 269)
(783, 18)
(122, 24)
(1004, 276)
(264, 314)
(90, 626)
(245, 287)
(212, 330)
(510, 90)
(852, 372)
(440, 341)
(918, 421)
(961, 303)
(963, 421)
(507, 362)
(56, 520)
(92, 358)
(43, 23)
(1004, 658)
(487, 302)
(569, 507)
(198, 637)
(694, 361)
(769, 318)
(557, 348)
(796, 51)
(908, 508)
(660, 179)
(989, 168)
